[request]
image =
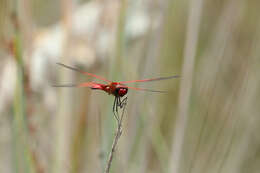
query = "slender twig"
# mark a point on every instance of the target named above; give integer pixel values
(117, 136)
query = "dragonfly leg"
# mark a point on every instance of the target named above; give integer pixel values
(115, 109)
(114, 104)
(116, 116)
(122, 103)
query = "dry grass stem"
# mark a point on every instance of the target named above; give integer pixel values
(115, 141)
(186, 84)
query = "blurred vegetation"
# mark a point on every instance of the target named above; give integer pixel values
(210, 115)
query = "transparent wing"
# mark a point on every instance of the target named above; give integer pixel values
(83, 72)
(91, 85)
(149, 80)
(144, 89)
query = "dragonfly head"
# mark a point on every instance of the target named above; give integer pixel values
(120, 91)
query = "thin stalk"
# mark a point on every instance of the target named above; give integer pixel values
(115, 141)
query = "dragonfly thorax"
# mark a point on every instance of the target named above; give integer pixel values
(116, 89)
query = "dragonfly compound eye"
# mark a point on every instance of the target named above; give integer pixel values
(122, 92)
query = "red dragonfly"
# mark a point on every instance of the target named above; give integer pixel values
(117, 89)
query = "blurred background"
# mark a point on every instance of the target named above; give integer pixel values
(207, 122)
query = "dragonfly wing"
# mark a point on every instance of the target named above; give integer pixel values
(143, 89)
(91, 85)
(83, 72)
(65, 85)
(150, 80)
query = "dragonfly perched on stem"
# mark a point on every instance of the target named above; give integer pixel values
(117, 89)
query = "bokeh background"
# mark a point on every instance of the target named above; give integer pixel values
(207, 122)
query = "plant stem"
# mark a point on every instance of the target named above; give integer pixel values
(115, 141)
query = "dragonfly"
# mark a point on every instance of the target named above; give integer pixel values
(117, 89)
